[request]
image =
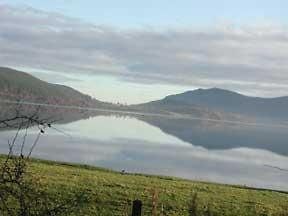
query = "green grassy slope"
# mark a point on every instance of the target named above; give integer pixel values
(111, 192)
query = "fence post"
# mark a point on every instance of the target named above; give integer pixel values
(137, 208)
(155, 197)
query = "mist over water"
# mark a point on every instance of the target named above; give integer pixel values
(197, 150)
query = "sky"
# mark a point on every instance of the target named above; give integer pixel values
(136, 51)
(163, 13)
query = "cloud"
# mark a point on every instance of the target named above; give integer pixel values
(251, 59)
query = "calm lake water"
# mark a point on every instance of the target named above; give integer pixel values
(199, 150)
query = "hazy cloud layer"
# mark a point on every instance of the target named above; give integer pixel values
(250, 59)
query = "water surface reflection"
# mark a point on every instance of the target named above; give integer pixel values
(136, 146)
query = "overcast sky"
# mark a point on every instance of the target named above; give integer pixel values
(136, 51)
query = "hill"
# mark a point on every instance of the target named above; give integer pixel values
(214, 103)
(17, 85)
(232, 102)
(182, 106)
(218, 103)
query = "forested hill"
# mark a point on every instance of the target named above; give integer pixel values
(17, 85)
(223, 101)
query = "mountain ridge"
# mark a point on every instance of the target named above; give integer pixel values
(18, 85)
(226, 101)
(221, 90)
(214, 103)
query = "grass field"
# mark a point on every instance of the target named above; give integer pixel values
(111, 193)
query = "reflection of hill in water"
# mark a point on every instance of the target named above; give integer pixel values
(219, 136)
(56, 115)
(208, 134)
